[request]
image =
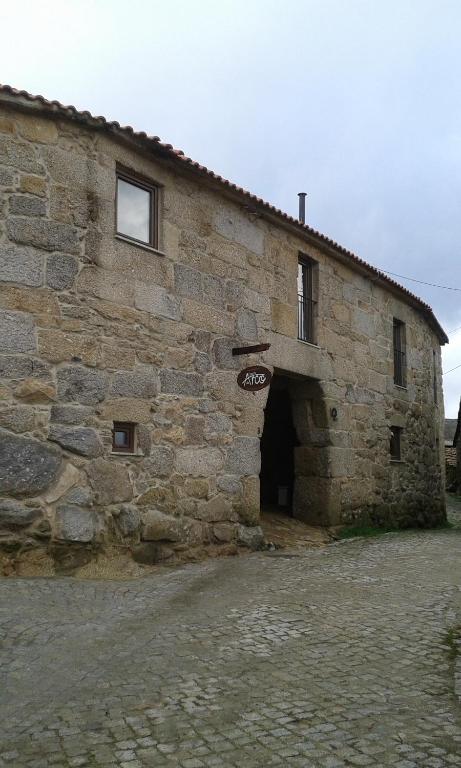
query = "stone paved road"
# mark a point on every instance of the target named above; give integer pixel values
(335, 657)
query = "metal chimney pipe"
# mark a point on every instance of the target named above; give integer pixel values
(302, 207)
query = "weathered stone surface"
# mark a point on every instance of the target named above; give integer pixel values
(23, 205)
(215, 510)
(138, 383)
(202, 362)
(251, 537)
(199, 461)
(126, 409)
(14, 514)
(45, 234)
(157, 526)
(69, 477)
(80, 495)
(16, 332)
(35, 391)
(110, 481)
(20, 367)
(244, 456)
(198, 487)
(180, 383)
(61, 271)
(21, 265)
(150, 552)
(27, 467)
(230, 484)
(246, 325)
(35, 185)
(222, 354)
(86, 386)
(161, 497)
(82, 440)
(236, 227)
(129, 519)
(156, 300)
(224, 531)
(17, 419)
(70, 414)
(161, 460)
(188, 282)
(75, 523)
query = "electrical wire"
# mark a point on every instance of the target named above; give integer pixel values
(414, 280)
(452, 369)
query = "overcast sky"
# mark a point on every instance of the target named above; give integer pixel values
(356, 102)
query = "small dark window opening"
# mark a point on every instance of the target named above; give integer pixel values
(307, 304)
(136, 209)
(395, 443)
(123, 437)
(400, 362)
(434, 376)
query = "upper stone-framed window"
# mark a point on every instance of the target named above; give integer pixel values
(400, 353)
(307, 299)
(123, 437)
(136, 209)
(395, 445)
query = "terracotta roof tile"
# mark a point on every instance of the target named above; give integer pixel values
(178, 155)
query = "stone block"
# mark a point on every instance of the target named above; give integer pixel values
(81, 440)
(250, 509)
(202, 363)
(224, 532)
(6, 177)
(157, 526)
(18, 418)
(126, 409)
(69, 477)
(151, 298)
(161, 497)
(83, 385)
(80, 495)
(230, 484)
(197, 487)
(75, 523)
(25, 205)
(188, 282)
(129, 519)
(160, 462)
(61, 271)
(218, 424)
(209, 318)
(21, 265)
(14, 514)
(251, 537)
(181, 383)
(213, 290)
(284, 318)
(16, 332)
(222, 354)
(194, 430)
(246, 325)
(21, 156)
(45, 234)
(27, 467)
(216, 510)
(244, 456)
(109, 286)
(70, 414)
(37, 130)
(199, 462)
(34, 185)
(110, 481)
(19, 367)
(238, 228)
(35, 391)
(137, 383)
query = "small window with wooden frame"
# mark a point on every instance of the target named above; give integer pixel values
(136, 209)
(400, 353)
(307, 299)
(395, 446)
(123, 437)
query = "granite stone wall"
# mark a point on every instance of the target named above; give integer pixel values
(94, 329)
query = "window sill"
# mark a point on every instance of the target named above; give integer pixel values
(401, 386)
(126, 453)
(144, 246)
(309, 343)
(398, 461)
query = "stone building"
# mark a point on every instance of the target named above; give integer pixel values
(128, 274)
(457, 447)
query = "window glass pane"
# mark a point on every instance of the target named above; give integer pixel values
(300, 280)
(121, 439)
(133, 211)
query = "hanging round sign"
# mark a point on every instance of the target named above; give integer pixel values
(254, 377)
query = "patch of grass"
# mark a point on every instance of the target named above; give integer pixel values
(452, 640)
(364, 530)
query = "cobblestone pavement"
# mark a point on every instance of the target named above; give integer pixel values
(327, 658)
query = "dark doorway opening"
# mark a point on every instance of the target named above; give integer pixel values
(277, 449)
